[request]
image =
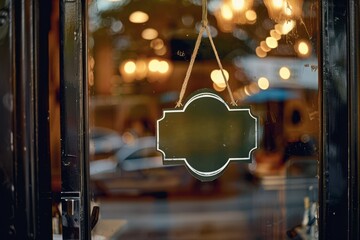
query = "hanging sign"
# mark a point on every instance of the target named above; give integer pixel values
(206, 134)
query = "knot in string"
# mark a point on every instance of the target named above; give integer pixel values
(204, 22)
(204, 19)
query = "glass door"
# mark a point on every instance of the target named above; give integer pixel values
(140, 52)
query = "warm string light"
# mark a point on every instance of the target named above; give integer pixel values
(263, 83)
(232, 12)
(247, 91)
(284, 13)
(283, 10)
(141, 69)
(303, 48)
(150, 69)
(218, 79)
(285, 73)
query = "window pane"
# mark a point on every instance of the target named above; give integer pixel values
(140, 52)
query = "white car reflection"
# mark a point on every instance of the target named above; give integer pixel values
(137, 168)
(104, 141)
(139, 155)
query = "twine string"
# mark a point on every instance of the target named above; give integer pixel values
(220, 66)
(188, 72)
(204, 27)
(204, 13)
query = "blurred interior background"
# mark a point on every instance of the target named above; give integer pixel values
(139, 52)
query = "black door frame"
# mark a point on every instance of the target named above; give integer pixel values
(25, 153)
(339, 98)
(74, 127)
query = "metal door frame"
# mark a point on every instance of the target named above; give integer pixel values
(339, 98)
(74, 120)
(26, 152)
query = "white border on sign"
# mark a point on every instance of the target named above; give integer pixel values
(198, 96)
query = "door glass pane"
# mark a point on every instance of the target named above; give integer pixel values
(139, 55)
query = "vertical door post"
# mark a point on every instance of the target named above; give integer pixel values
(73, 122)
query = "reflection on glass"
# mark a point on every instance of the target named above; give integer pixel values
(269, 51)
(149, 34)
(260, 52)
(280, 10)
(263, 83)
(138, 17)
(303, 48)
(284, 73)
(218, 78)
(271, 42)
